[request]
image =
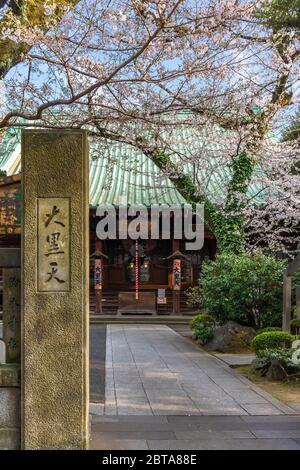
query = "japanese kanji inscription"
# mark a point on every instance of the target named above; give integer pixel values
(53, 244)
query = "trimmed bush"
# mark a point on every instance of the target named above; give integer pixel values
(271, 340)
(203, 333)
(201, 319)
(203, 326)
(268, 329)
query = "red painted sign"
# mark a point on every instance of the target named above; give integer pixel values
(98, 274)
(177, 274)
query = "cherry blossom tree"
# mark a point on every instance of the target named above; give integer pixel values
(203, 88)
(41, 13)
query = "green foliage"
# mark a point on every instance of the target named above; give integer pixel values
(242, 168)
(204, 332)
(243, 288)
(262, 363)
(203, 326)
(227, 226)
(201, 318)
(280, 14)
(284, 355)
(271, 340)
(26, 14)
(268, 329)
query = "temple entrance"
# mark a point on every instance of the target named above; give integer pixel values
(138, 277)
(123, 264)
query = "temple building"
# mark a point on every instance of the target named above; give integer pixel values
(126, 276)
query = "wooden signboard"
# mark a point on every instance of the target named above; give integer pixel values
(161, 297)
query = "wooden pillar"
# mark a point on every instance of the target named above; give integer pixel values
(287, 299)
(176, 302)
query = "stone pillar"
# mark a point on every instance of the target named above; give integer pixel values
(55, 282)
(9, 406)
(12, 314)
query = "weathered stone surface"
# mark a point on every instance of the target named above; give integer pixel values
(2, 352)
(9, 439)
(12, 314)
(9, 408)
(276, 371)
(182, 380)
(231, 337)
(55, 327)
(9, 375)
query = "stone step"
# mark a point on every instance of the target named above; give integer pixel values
(141, 319)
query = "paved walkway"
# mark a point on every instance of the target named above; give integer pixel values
(163, 393)
(152, 370)
(196, 432)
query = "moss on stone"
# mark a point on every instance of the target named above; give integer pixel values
(9, 375)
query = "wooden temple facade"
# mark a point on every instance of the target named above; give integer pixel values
(126, 276)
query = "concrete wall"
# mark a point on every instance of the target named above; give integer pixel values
(9, 406)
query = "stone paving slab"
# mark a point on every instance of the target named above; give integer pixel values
(97, 363)
(153, 370)
(195, 432)
(118, 444)
(225, 444)
(236, 359)
(295, 406)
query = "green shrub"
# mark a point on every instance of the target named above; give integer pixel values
(268, 329)
(203, 326)
(204, 332)
(262, 363)
(284, 356)
(271, 340)
(201, 319)
(243, 288)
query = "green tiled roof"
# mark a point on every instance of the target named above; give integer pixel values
(120, 173)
